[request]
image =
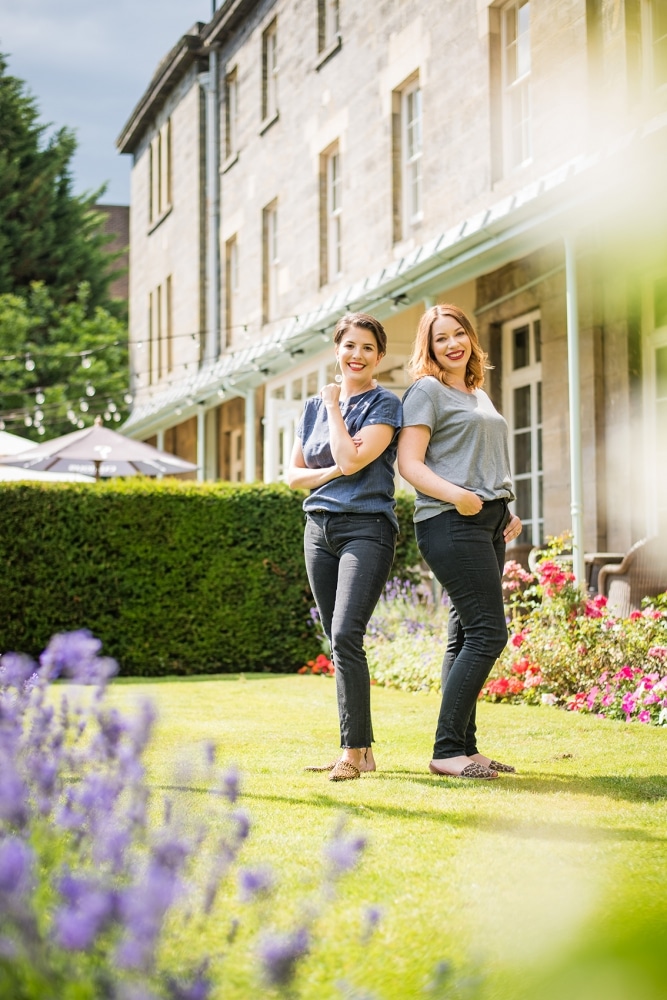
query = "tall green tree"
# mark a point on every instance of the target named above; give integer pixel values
(47, 234)
(61, 365)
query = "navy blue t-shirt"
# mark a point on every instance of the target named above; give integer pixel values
(369, 491)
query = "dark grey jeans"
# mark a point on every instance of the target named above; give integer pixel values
(348, 559)
(467, 555)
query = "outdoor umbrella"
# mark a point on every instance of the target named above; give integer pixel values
(12, 444)
(100, 452)
(11, 473)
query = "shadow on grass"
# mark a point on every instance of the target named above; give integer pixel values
(495, 823)
(645, 788)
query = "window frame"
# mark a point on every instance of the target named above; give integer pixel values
(270, 72)
(271, 261)
(407, 159)
(160, 181)
(518, 378)
(332, 252)
(231, 286)
(328, 25)
(231, 114)
(515, 83)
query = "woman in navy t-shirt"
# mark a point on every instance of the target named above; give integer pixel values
(344, 454)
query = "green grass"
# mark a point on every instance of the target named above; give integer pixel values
(548, 884)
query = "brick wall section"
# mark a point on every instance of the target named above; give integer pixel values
(117, 224)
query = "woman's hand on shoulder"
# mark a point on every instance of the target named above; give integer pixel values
(468, 503)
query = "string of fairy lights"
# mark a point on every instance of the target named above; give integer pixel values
(92, 403)
(89, 401)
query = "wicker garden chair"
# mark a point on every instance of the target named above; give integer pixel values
(642, 573)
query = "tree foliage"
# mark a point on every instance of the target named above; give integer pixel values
(47, 233)
(60, 364)
(63, 342)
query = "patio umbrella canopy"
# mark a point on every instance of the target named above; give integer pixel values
(14, 474)
(100, 452)
(12, 444)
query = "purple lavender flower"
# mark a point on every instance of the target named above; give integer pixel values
(230, 782)
(79, 922)
(13, 795)
(70, 654)
(242, 822)
(15, 670)
(371, 918)
(343, 853)
(16, 861)
(255, 882)
(279, 954)
(209, 752)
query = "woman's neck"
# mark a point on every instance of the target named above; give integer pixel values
(347, 390)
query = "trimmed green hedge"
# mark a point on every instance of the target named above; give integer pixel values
(173, 577)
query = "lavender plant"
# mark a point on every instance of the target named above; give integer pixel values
(96, 876)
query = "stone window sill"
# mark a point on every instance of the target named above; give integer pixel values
(268, 122)
(160, 219)
(326, 55)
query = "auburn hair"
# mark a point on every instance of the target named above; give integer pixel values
(423, 361)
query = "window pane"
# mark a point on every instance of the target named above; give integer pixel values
(539, 450)
(539, 404)
(522, 452)
(520, 357)
(524, 502)
(297, 389)
(537, 335)
(523, 40)
(312, 384)
(522, 407)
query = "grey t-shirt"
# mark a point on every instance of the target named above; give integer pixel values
(468, 445)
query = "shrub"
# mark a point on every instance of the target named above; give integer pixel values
(173, 577)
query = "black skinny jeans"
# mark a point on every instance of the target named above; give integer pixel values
(348, 559)
(467, 555)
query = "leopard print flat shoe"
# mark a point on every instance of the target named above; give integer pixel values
(344, 771)
(321, 767)
(495, 765)
(473, 770)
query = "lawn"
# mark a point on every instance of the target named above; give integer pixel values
(545, 884)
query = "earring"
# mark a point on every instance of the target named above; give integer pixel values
(338, 377)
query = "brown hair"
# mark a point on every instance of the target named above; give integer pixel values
(366, 322)
(422, 361)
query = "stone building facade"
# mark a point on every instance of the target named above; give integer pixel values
(294, 159)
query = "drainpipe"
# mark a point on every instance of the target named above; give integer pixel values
(250, 472)
(201, 443)
(574, 383)
(210, 81)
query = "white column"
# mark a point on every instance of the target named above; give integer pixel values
(250, 472)
(160, 447)
(574, 384)
(201, 443)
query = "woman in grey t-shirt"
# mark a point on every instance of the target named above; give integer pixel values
(453, 449)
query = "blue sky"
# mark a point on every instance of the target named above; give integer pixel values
(87, 63)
